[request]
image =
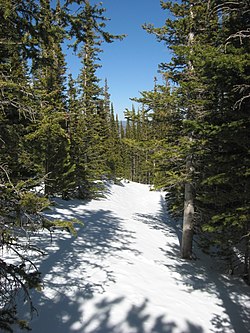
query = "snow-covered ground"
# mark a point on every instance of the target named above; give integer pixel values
(123, 273)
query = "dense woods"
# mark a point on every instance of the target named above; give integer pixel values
(203, 153)
(190, 135)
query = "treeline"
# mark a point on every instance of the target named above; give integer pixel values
(52, 126)
(191, 135)
(55, 131)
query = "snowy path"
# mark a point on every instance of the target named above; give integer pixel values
(123, 274)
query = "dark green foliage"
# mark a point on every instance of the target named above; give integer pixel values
(165, 156)
(16, 95)
(49, 133)
(45, 137)
(89, 112)
(18, 207)
(114, 147)
(19, 214)
(138, 145)
(20, 217)
(206, 118)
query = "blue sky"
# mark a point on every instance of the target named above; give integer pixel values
(129, 65)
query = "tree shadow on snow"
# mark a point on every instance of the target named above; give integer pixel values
(162, 221)
(65, 315)
(75, 271)
(74, 268)
(135, 319)
(203, 274)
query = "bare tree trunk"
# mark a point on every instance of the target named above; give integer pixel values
(247, 261)
(188, 216)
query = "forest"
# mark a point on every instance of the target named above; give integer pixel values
(190, 136)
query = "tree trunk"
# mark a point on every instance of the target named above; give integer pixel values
(188, 215)
(247, 261)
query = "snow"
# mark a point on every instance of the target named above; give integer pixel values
(123, 273)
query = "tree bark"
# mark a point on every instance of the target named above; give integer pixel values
(188, 215)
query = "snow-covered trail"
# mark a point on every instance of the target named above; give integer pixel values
(123, 274)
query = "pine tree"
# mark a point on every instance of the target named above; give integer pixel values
(225, 187)
(50, 135)
(18, 206)
(180, 34)
(87, 26)
(136, 143)
(161, 141)
(16, 93)
(20, 117)
(114, 148)
(208, 98)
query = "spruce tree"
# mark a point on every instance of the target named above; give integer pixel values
(18, 206)
(164, 158)
(50, 135)
(16, 94)
(87, 26)
(212, 99)
(20, 117)
(114, 149)
(225, 186)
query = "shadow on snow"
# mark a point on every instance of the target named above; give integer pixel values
(64, 315)
(77, 266)
(198, 275)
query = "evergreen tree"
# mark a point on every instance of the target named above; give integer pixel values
(163, 121)
(223, 192)
(209, 65)
(16, 93)
(49, 135)
(136, 142)
(92, 130)
(18, 206)
(114, 151)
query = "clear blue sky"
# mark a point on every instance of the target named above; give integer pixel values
(129, 65)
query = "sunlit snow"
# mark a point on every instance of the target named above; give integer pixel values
(123, 273)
